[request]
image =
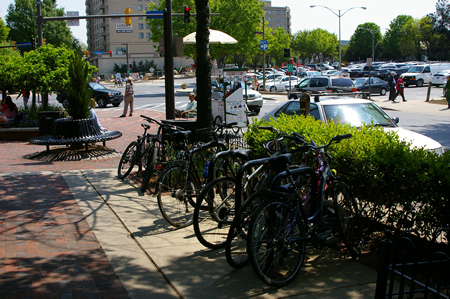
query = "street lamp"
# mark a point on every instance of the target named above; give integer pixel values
(339, 15)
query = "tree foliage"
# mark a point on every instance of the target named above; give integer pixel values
(311, 44)
(21, 19)
(361, 43)
(4, 30)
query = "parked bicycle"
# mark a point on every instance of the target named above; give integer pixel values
(289, 217)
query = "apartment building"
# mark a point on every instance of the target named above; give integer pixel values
(112, 34)
(277, 16)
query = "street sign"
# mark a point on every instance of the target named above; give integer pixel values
(290, 68)
(154, 14)
(264, 45)
(73, 22)
(123, 28)
(98, 52)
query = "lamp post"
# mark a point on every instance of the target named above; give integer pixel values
(339, 15)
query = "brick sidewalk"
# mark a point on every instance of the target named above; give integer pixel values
(46, 247)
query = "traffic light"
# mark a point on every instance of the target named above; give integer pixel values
(187, 14)
(14, 43)
(110, 53)
(128, 19)
(87, 53)
(33, 43)
(287, 52)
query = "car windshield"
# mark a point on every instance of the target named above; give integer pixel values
(358, 114)
(416, 69)
(96, 86)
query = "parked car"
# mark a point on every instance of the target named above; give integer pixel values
(102, 95)
(269, 78)
(322, 84)
(303, 74)
(440, 78)
(355, 112)
(215, 93)
(332, 73)
(377, 86)
(279, 83)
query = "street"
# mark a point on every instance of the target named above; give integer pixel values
(150, 95)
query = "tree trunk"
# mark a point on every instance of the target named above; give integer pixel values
(203, 65)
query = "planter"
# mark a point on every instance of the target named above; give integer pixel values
(18, 134)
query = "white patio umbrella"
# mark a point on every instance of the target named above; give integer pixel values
(215, 37)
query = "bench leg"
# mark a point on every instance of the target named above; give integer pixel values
(48, 147)
(86, 146)
(104, 143)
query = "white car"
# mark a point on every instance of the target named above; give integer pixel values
(440, 78)
(279, 83)
(355, 111)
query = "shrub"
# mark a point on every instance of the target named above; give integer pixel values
(402, 186)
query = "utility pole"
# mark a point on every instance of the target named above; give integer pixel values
(264, 56)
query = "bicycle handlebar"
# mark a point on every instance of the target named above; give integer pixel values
(151, 120)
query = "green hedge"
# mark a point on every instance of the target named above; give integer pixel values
(402, 187)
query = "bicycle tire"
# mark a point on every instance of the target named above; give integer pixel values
(176, 194)
(127, 161)
(236, 243)
(277, 242)
(350, 225)
(150, 167)
(214, 212)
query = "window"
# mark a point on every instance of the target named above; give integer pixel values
(278, 12)
(140, 7)
(268, 12)
(139, 0)
(278, 19)
(147, 26)
(141, 26)
(294, 109)
(278, 25)
(269, 19)
(140, 18)
(284, 19)
(147, 35)
(141, 35)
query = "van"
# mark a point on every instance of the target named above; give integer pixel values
(422, 74)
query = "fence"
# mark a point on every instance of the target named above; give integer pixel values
(414, 271)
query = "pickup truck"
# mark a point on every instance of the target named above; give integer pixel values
(364, 72)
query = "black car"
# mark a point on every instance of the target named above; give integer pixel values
(377, 86)
(322, 84)
(102, 95)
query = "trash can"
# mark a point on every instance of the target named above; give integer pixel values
(46, 119)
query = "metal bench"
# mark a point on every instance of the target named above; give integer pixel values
(71, 132)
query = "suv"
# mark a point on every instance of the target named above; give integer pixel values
(322, 83)
(102, 95)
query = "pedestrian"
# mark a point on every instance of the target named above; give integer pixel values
(129, 97)
(447, 91)
(392, 84)
(255, 83)
(400, 86)
(26, 96)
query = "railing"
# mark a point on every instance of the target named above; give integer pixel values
(414, 271)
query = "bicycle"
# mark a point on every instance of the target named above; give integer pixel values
(220, 199)
(181, 182)
(287, 219)
(160, 150)
(135, 153)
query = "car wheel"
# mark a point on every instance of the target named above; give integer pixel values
(272, 89)
(116, 104)
(101, 102)
(406, 85)
(419, 83)
(383, 91)
(256, 110)
(218, 120)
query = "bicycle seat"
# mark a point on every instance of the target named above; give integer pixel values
(145, 126)
(240, 153)
(279, 163)
(181, 135)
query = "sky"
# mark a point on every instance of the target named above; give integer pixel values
(380, 12)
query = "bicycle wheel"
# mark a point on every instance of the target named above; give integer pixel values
(177, 192)
(150, 165)
(214, 212)
(127, 161)
(276, 243)
(349, 219)
(236, 243)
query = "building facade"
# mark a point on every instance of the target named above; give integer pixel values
(112, 34)
(278, 16)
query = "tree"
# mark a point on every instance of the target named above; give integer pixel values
(9, 71)
(360, 45)
(438, 44)
(3, 31)
(400, 40)
(21, 19)
(309, 44)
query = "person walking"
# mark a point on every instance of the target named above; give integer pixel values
(400, 86)
(447, 91)
(392, 84)
(26, 96)
(129, 97)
